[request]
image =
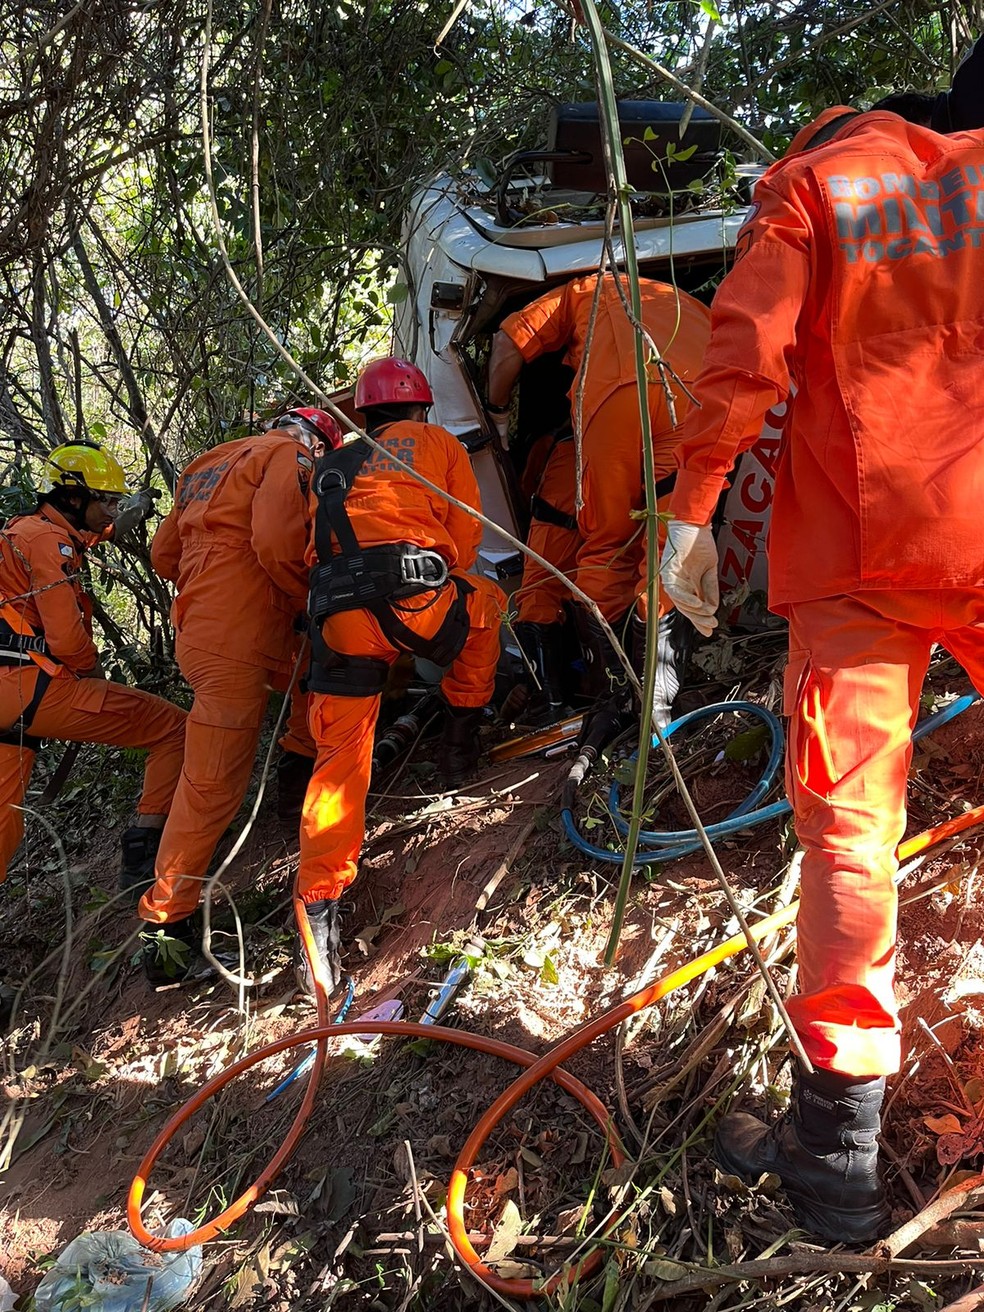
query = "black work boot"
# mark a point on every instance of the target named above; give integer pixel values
(542, 679)
(824, 1150)
(139, 853)
(326, 932)
(460, 748)
(169, 950)
(607, 681)
(675, 641)
(606, 675)
(293, 776)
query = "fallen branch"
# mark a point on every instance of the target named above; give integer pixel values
(807, 1264)
(942, 1206)
(969, 1302)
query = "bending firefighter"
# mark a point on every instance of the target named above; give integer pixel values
(52, 683)
(874, 556)
(611, 563)
(234, 546)
(390, 560)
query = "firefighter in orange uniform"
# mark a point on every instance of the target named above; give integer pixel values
(391, 561)
(858, 276)
(611, 567)
(52, 684)
(234, 546)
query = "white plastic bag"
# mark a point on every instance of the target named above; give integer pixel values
(107, 1271)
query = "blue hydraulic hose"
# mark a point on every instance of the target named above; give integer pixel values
(669, 844)
(307, 1061)
(666, 838)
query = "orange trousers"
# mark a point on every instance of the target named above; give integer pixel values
(333, 823)
(222, 736)
(855, 674)
(87, 711)
(611, 560)
(540, 597)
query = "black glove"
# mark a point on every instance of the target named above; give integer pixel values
(135, 509)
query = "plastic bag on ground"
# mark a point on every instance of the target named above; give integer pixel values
(7, 1296)
(108, 1271)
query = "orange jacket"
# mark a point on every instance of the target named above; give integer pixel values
(858, 277)
(41, 555)
(386, 504)
(560, 319)
(234, 545)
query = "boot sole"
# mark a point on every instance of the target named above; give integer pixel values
(841, 1225)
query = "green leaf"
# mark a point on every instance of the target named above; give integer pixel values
(548, 971)
(612, 1282)
(397, 293)
(747, 745)
(98, 430)
(681, 156)
(649, 134)
(711, 10)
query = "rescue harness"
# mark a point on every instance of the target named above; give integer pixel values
(374, 579)
(20, 645)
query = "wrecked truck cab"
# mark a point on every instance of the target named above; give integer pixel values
(477, 248)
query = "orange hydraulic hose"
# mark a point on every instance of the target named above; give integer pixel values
(537, 1069)
(930, 837)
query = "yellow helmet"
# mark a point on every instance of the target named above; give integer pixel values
(83, 465)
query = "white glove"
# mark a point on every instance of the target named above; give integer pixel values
(689, 570)
(502, 428)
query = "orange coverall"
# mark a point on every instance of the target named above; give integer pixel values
(40, 593)
(610, 561)
(859, 276)
(384, 505)
(234, 547)
(549, 477)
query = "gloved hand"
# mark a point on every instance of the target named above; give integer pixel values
(500, 422)
(689, 571)
(96, 672)
(135, 508)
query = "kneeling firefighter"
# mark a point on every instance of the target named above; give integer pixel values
(389, 561)
(52, 683)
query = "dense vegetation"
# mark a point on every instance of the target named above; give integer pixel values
(119, 320)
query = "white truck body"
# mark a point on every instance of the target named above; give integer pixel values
(464, 272)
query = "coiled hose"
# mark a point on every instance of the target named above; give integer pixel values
(535, 1069)
(666, 845)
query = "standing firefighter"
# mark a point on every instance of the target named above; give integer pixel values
(858, 276)
(234, 546)
(52, 684)
(591, 323)
(390, 575)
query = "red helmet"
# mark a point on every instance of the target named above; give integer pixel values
(391, 382)
(324, 424)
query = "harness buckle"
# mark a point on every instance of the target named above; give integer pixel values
(419, 566)
(20, 645)
(329, 480)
